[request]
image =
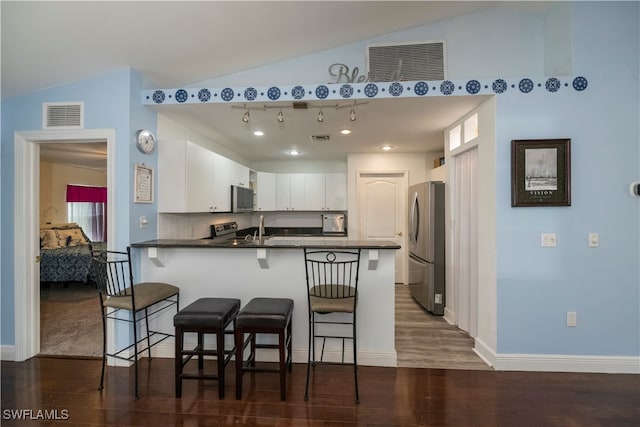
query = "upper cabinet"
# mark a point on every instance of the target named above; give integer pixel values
(265, 188)
(335, 192)
(311, 191)
(194, 179)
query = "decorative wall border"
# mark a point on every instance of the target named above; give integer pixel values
(358, 91)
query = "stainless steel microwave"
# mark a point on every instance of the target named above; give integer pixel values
(241, 199)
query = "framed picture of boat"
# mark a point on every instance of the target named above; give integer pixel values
(540, 172)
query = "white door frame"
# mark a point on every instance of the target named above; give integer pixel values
(27, 222)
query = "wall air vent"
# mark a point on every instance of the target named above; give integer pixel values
(320, 138)
(406, 62)
(67, 115)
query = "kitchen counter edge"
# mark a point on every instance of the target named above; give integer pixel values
(275, 244)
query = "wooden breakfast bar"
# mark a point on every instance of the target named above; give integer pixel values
(275, 268)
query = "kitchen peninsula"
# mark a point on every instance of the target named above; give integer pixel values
(246, 269)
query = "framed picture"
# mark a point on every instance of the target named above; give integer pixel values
(143, 181)
(540, 172)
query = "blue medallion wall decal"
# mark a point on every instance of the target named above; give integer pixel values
(322, 92)
(364, 90)
(297, 92)
(204, 95)
(552, 84)
(227, 94)
(447, 87)
(273, 93)
(250, 94)
(473, 87)
(421, 88)
(371, 90)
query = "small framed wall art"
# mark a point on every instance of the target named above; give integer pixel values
(143, 179)
(540, 172)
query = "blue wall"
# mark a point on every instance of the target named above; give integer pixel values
(111, 101)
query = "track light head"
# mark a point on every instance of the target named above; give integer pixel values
(320, 117)
(352, 115)
(245, 117)
(280, 118)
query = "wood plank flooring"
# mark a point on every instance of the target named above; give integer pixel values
(389, 397)
(427, 341)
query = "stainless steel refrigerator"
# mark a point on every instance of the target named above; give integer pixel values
(427, 245)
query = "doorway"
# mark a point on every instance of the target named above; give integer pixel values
(70, 321)
(26, 216)
(382, 204)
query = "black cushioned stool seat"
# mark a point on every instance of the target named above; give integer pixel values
(264, 316)
(204, 316)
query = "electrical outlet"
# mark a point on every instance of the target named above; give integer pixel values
(548, 240)
(438, 299)
(572, 318)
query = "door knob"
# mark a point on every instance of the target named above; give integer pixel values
(399, 233)
(37, 258)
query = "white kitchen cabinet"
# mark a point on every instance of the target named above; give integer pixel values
(314, 191)
(290, 192)
(335, 191)
(311, 191)
(239, 174)
(192, 179)
(221, 184)
(266, 191)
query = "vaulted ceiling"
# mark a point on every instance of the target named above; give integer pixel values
(175, 43)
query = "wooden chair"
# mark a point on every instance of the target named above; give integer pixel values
(118, 292)
(332, 288)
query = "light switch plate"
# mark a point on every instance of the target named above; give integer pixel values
(548, 240)
(594, 240)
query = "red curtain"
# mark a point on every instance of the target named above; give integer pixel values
(81, 193)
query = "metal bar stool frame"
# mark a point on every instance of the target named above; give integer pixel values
(116, 293)
(332, 278)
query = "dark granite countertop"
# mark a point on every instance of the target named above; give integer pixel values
(290, 231)
(267, 243)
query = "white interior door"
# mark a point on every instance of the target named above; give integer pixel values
(382, 207)
(465, 240)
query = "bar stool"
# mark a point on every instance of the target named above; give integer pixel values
(264, 316)
(204, 316)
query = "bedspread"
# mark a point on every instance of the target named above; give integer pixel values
(69, 264)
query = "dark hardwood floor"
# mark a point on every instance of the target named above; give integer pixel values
(67, 388)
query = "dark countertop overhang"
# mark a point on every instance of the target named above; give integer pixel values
(267, 243)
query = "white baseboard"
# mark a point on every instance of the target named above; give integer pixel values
(365, 358)
(558, 362)
(8, 353)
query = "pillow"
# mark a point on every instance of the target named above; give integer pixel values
(74, 236)
(54, 239)
(49, 239)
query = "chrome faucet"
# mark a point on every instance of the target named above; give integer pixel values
(261, 229)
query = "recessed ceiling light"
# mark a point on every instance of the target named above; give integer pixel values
(294, 152)
(387, 147)
(258, 133)
(345, 131)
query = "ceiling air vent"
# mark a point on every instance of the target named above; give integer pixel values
(406, 62)
(320, 138)
(68, 115)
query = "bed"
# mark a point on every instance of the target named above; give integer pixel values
(65, 254)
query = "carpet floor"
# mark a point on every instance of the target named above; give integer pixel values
(70, 322)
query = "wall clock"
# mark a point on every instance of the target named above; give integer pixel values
(145, 141)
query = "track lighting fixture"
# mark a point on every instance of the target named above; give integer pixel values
(320, 117)
(280, 118)
(245, 117)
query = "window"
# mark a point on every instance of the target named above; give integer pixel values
(455, 137)
(87, 206)
(471, 128)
